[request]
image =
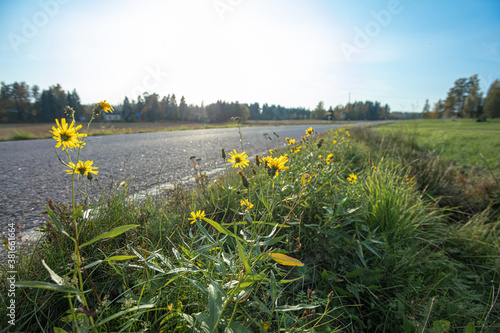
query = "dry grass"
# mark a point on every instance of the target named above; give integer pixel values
(9, 131)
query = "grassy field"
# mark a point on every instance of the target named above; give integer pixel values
(36, 131)
(330, 234)
(463, 141)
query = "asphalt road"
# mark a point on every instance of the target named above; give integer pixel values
(31, 174)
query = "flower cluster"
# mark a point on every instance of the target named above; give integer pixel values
(67, 137)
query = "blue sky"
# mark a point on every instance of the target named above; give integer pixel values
(288, 52)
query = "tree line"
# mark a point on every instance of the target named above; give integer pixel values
(465, 100)
(22, 103)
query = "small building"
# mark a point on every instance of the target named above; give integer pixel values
(112, 116)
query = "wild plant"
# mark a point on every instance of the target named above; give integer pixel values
(81, 313)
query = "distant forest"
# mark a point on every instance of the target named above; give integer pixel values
(20, 103)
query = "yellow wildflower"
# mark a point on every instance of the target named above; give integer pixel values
(291, 142)
(105, 106)
(309, 131)
(247, 204)
(67, 135)
(239, 160)
(329, 158)
(352, 178)
(276, 164)
(82, 168)
(196, 216)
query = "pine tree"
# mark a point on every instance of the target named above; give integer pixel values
(492, 101)
(183, 110)
(426, 111)
(127, 110)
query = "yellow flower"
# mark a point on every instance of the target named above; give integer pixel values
(196, 216)
(105, 106)
(334, 142)
(82, 168)
(309, 131)
(276, 164)
(329, 158)
(271, 151)
(247, 204)
(239, 160)
(320, 157)
(291, 142)
(352, 178)
(67, 135)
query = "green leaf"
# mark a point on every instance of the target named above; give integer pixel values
(220, 228)
(215, 305)
(243, 257)
(355, 272)
(48, 286)
(56, 222)
(285, 308)
(121, 313)
(271, 241)
(97, 262)
(441, 326)
(470, 328)
(77, 213)
(273, 287)
(110, 234)
(154, 267)
(118, 258)
(59, 330)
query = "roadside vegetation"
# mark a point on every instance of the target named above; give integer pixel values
(352, 231)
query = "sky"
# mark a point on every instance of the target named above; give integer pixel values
(294, 53)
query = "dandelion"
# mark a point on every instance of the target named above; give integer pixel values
(105, 106)
(66, 135)
(196, 216)
(239, 160)
(246, 204)
(82, 168)
(352, 178)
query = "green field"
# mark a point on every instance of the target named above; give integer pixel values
(463, 141)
